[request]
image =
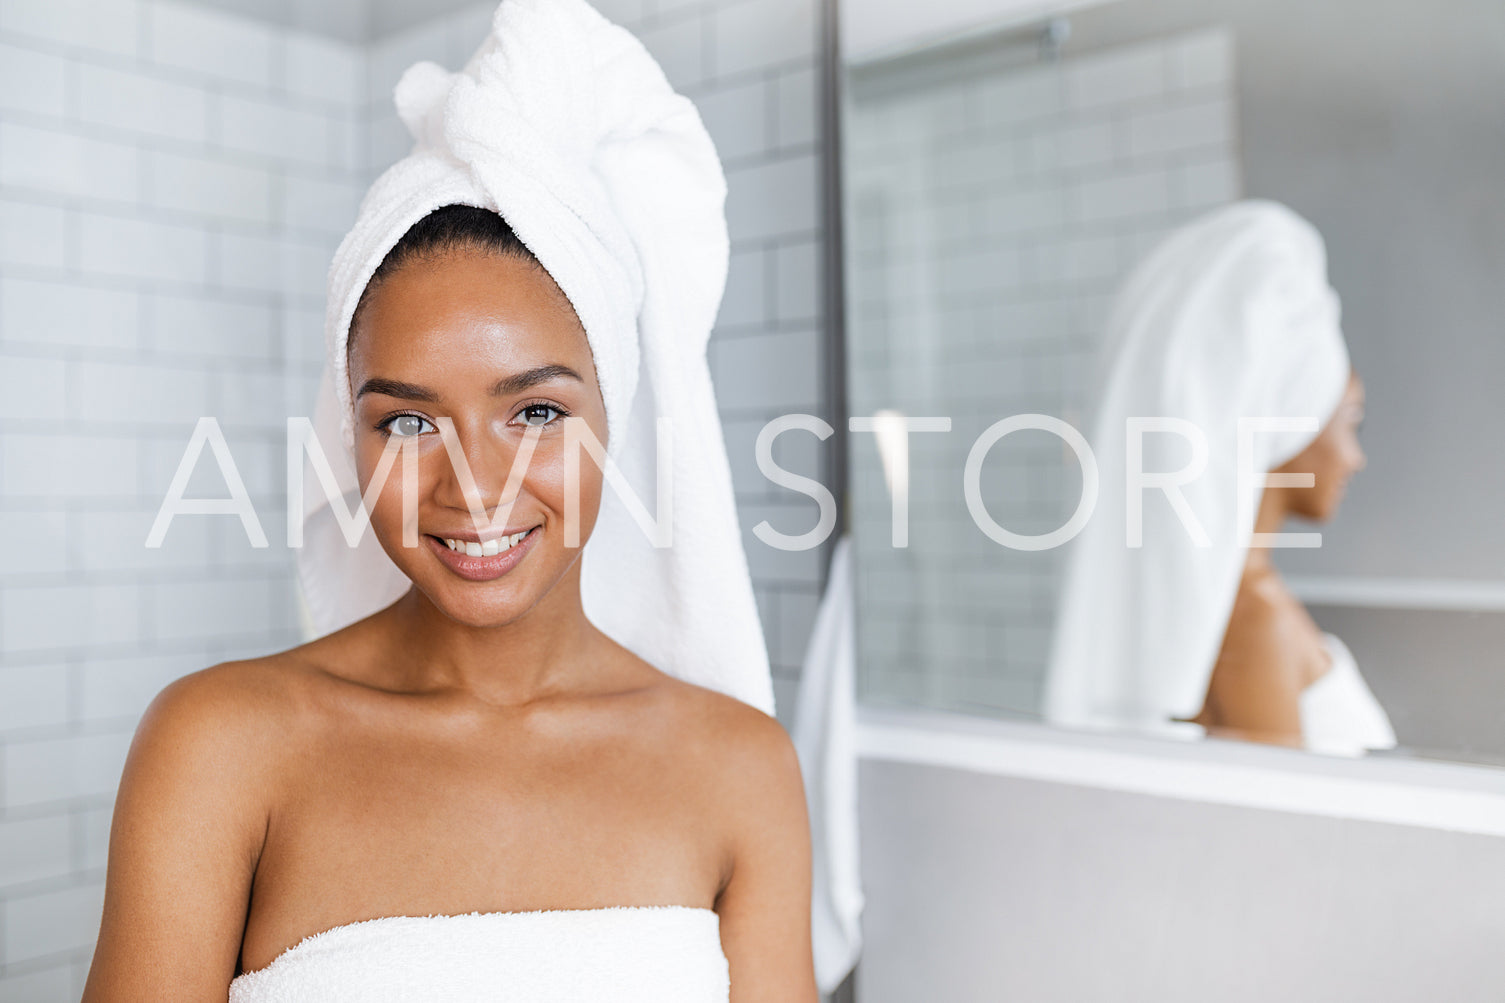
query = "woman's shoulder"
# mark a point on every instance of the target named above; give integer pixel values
(741, 754)
(239, 688)
(727, 728)
(1269, 630)
(236, 708)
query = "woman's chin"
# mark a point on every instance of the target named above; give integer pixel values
(471, 603)
(478, 611)
(1328, 509)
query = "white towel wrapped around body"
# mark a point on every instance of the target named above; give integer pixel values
(565, 125)
(629, 954)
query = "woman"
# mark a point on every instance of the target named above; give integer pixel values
(1278, 678)
(481, 787)
(1227, 372)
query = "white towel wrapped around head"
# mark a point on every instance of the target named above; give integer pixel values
(565, 125)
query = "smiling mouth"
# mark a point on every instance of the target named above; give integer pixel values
(484, 562)
(470, 548)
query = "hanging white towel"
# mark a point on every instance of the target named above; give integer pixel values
(825, 736)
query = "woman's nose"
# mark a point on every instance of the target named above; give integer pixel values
(476, 469)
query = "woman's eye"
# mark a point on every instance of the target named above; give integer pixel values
(540, 412)
(408, 424)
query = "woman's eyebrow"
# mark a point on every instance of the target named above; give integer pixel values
(518, 382)
(506, 386)
(397, 388)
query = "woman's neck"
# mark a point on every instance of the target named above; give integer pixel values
(1273, 510)
(544, 652)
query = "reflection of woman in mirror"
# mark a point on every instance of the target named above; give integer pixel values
(1278, 678)
(521, 765)
(1226, 366)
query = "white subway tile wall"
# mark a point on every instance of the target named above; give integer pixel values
(173, 182)
(993, 212)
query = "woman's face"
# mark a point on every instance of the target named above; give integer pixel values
(1333, 457)
(490, 342)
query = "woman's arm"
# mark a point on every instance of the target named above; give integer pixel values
(184, 841)
(765, 904)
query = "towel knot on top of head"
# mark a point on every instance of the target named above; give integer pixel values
(563, 123)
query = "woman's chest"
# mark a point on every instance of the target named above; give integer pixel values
(417, 827)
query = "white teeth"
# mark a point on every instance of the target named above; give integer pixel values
(488, 549)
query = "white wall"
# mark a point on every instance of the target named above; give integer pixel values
(984, 888)
(173, 181)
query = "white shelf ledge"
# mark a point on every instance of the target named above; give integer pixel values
(1461, 595)
(1428, 794)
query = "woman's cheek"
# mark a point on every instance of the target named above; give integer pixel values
(388, 508)
(553, 483)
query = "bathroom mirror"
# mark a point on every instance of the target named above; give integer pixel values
(1005, 166)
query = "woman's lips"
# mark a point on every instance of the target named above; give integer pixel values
(483, 569)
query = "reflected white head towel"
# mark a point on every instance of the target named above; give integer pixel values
(1232, 316)
(565, 125)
